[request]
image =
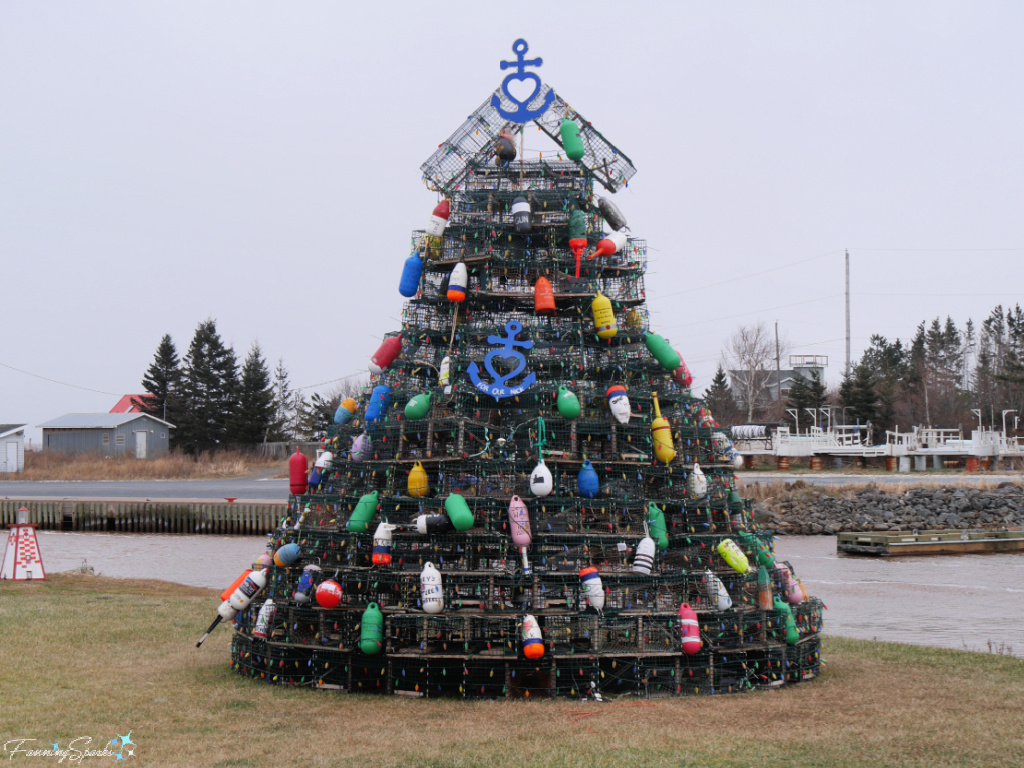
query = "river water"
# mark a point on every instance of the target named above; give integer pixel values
(973, 602)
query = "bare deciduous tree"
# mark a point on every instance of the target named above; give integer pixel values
(750, 357)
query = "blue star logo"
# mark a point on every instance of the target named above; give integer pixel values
(125, 740)
(56, 746)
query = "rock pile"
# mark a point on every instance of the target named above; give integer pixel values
(800, 512)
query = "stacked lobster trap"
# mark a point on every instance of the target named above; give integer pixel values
(527, 500)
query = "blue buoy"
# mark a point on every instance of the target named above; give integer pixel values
(411, 273)
(380, 399)
(587, 481)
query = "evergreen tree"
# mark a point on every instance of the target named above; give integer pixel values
(719, 399)
(282, 427)
(163, 382)
(860, 396)
(797, 400)
(210, 390)
(316, 415)
(255, 415)
(846, 397)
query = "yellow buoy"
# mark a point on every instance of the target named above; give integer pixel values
(661, 431)
(604, 317)
(418, 480)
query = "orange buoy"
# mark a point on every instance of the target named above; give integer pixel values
(543, 296)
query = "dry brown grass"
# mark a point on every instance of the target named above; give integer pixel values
(50, 465)
(94, 656)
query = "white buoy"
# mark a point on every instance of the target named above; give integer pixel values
(265, 620)
(541, 483)
(698, 483)
(717, 592)
(593, 588)
(644, 559)
(431, 589)
(618, 403)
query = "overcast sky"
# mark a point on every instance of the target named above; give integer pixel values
(258, 163)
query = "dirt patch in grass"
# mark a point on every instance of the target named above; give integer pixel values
(50, 465)
(96, 656)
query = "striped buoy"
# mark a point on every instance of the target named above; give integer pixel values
(690, 628)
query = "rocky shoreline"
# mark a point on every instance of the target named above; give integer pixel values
(802, 510)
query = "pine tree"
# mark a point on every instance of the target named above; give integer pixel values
(210, 390)
(254, 418)
(817, 394)
(282, 427)
(719, 400)
(862, 398)
(797, 400)
(163, 382)
(316, 415)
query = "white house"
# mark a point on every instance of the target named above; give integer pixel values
(12, 447)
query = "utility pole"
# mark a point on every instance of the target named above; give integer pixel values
(847, 312)
(778, 366)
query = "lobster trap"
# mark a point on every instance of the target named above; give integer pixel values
(526, 338)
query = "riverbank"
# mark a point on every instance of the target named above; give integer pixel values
(96, 656)
(54, 466)
(799, 508)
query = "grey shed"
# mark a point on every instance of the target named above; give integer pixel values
(109, 434)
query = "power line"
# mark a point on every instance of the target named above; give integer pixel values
(332, 381)
(745, 277)
(939, 250)
(751, 312)
(62, 383)
(1006, 295)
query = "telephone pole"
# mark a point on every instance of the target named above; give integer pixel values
(778, 367)
(847, 312)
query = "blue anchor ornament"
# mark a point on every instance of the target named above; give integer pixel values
(508, 343)
(522, 113)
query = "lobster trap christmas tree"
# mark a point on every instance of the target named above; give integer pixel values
(528, 500)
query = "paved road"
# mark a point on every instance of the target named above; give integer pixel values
(243, 488)
(276, 489)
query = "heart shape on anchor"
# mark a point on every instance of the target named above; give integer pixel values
(515, 365)
(522, 89)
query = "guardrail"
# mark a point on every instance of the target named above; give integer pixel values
(146, 516)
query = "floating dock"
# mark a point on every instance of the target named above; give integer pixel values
(900, 543)
(147, 516)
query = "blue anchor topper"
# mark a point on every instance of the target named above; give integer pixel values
(498, 389)
(522, 114)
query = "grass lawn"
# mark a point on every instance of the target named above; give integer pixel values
(91, 656)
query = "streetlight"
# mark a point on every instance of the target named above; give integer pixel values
(795, 412)
(1008, 410)
(827, 410)
(814, 413)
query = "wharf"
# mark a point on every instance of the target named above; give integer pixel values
(901, 543)
(147, 516)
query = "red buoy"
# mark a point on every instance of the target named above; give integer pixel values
(386, 354)
(691, 630)
(543, 296)
(298, 466)
(682, 374)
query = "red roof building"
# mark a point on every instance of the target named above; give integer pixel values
(125, 404)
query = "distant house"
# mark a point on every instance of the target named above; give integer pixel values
(12, 447)
(126, 404)
(770, 385)
(109, 434)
